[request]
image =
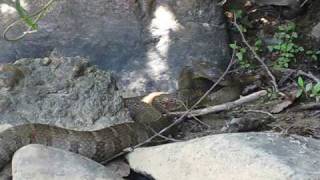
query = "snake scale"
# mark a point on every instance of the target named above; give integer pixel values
(98, 145)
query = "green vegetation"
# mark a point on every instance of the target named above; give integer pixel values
(30, 20)
(241, 54)
(286, 49)
(313, 55)
(308, 89)
(25, 16)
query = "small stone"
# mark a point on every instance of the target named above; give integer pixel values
(46, 61)
(38, 162)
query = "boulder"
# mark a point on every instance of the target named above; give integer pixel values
(144, 42)
(38, 162)
(65, 92)
(250, 156)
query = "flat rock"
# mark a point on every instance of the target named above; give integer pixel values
(231, 156)
(65, 92)
(38, 162)
(144, 42)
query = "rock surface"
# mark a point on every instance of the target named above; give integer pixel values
(37, 162)
(65, 92)
(145, 42)
(316, 32)
(277, 2)
(231, 156)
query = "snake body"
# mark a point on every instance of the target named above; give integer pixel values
(98, 145)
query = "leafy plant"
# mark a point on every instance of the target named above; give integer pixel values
(241, 55)
(286, 49)
(258, 45)
(30, 20)
(314, 55)
(308, 89)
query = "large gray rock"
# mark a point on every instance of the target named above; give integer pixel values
(38, 162)
(66, 92)
(145, 42)
(251, 156)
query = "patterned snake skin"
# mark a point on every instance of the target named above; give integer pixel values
(98, 145)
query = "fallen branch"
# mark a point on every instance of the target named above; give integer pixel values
(256, 56)
(223, 107)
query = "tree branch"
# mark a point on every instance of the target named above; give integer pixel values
(225, 106)
(256, 56)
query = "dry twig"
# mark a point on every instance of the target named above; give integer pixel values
(256, 56)
(225, 106)
(165, 137)
(194, 117)
(261, 112)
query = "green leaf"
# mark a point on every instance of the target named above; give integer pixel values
(283, 47)
(314, 57)
(316, 89)
(277, 47)
(242, 28)
(300, 82)
(294, 34)
(309, 87)
(270, 48)
(290, 46)
(239, 56)
(301, 49)
(299, 93)
(233, 46)
(258, 43)
(291, 26)
(309, 52)
(243, 50)
(288, 55)
(281, 28)
(25, 17)
(238, 13)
